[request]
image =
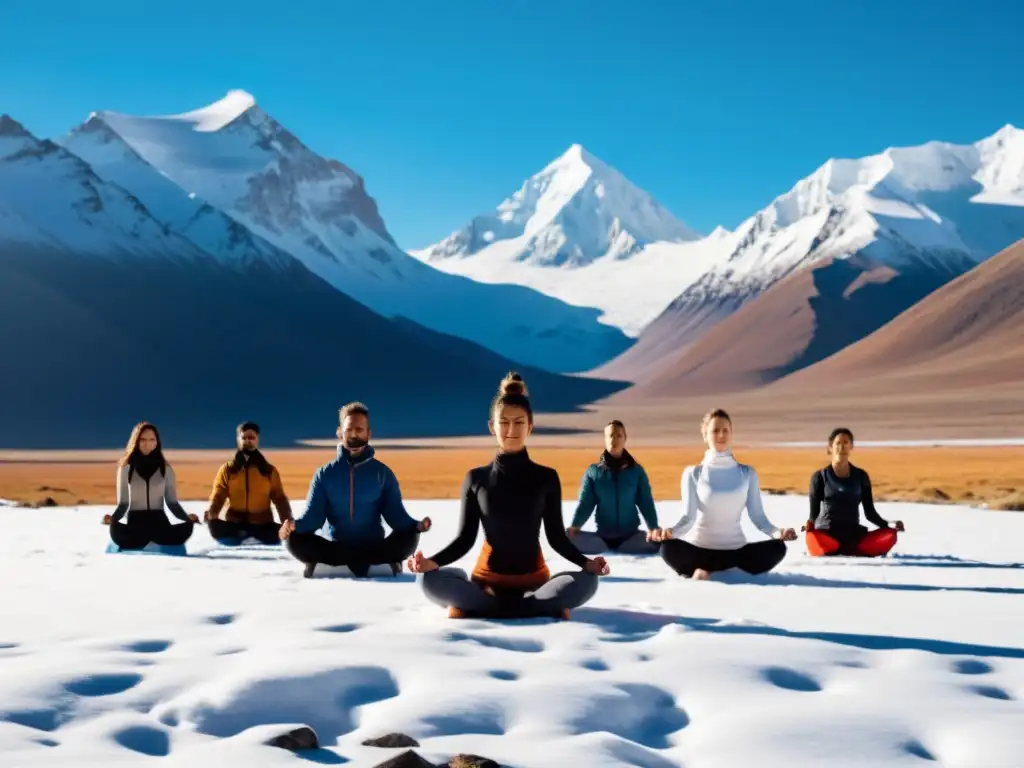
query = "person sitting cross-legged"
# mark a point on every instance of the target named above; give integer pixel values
(616, 485)
(248, 484)
(714, 495)
(512, 498)
(353, 494)
(836, 494)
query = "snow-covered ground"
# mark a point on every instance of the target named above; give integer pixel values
(914, 660)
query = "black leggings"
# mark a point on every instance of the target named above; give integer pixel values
(311, 548)
(149, 526)
(757, 557)
(268, 533)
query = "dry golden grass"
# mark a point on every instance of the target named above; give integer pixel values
(993, 475)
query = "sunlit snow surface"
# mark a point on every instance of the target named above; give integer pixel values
(913, 660)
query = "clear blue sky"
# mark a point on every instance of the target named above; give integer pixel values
(713, 106)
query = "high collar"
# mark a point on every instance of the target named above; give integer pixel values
(146, 466)
(715, 458)
(255, 459)
(624, 461)
(511, 462)
(365, 455)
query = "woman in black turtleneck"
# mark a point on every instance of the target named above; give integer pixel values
(836, 495)
(512, 497)
(145, 482)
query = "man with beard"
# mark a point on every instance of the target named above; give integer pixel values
(249, 483)
(352, 494)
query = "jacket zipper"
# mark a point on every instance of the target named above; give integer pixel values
(351, 492)
(149, 503)
(247, 490)
(618, 520)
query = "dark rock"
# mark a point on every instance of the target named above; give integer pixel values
(940, 494)
(471, 761)
(303, 737)
(407, 759)
(392, 741)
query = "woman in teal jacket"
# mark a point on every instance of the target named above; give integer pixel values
(617, 487)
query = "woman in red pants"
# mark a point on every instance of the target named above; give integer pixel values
(837, 491)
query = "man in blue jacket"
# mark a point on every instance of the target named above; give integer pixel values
(353, 494)
(616, 486)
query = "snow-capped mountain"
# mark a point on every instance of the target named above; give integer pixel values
(235, 157)
(51, 198)
(108, 314)
(573, 231)
(572, 213)
(938, 208)
(187, 214)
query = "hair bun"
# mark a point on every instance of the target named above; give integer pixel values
(513, 384)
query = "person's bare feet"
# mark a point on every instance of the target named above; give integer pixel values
(700, 575)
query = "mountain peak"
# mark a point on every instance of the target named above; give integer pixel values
(577, 157)
(574, 211)
(209, 119)
(220, 113)
(14, 139)
(11, 127)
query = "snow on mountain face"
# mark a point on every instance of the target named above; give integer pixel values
(241, 161)
(53, 198)
(576, 211)
(941, 204)
(935, 211)
(188, 214)
(13, 137)
(902, 206)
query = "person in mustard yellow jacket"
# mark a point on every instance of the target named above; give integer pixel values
(249, 484)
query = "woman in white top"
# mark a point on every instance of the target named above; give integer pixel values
(715, 493)
(145, 482)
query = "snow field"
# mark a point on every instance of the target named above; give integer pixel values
(914, 660)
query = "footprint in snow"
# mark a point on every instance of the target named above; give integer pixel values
(147, 646)
(144, 739)
(503, 674)
(102, 684)
(991, 692)
(972, 667)
(790, 679)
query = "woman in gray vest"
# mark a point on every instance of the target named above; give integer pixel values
(145, 482)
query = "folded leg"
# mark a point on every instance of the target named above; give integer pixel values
(684, 558)
(877, 543)
(266, 533)
(129, 536)
(637, 544)
(311, 548)
(589, 543)
(562, 592)
(760, 556)
(226, 532)
(820, 544)
(451, 588)
(173, 535)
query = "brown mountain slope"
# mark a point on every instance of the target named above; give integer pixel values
(800, 320)
(969, 333)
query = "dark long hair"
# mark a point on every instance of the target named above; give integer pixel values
(132, 453)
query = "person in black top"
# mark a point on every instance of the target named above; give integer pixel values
(836, 494)
(512, 497)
